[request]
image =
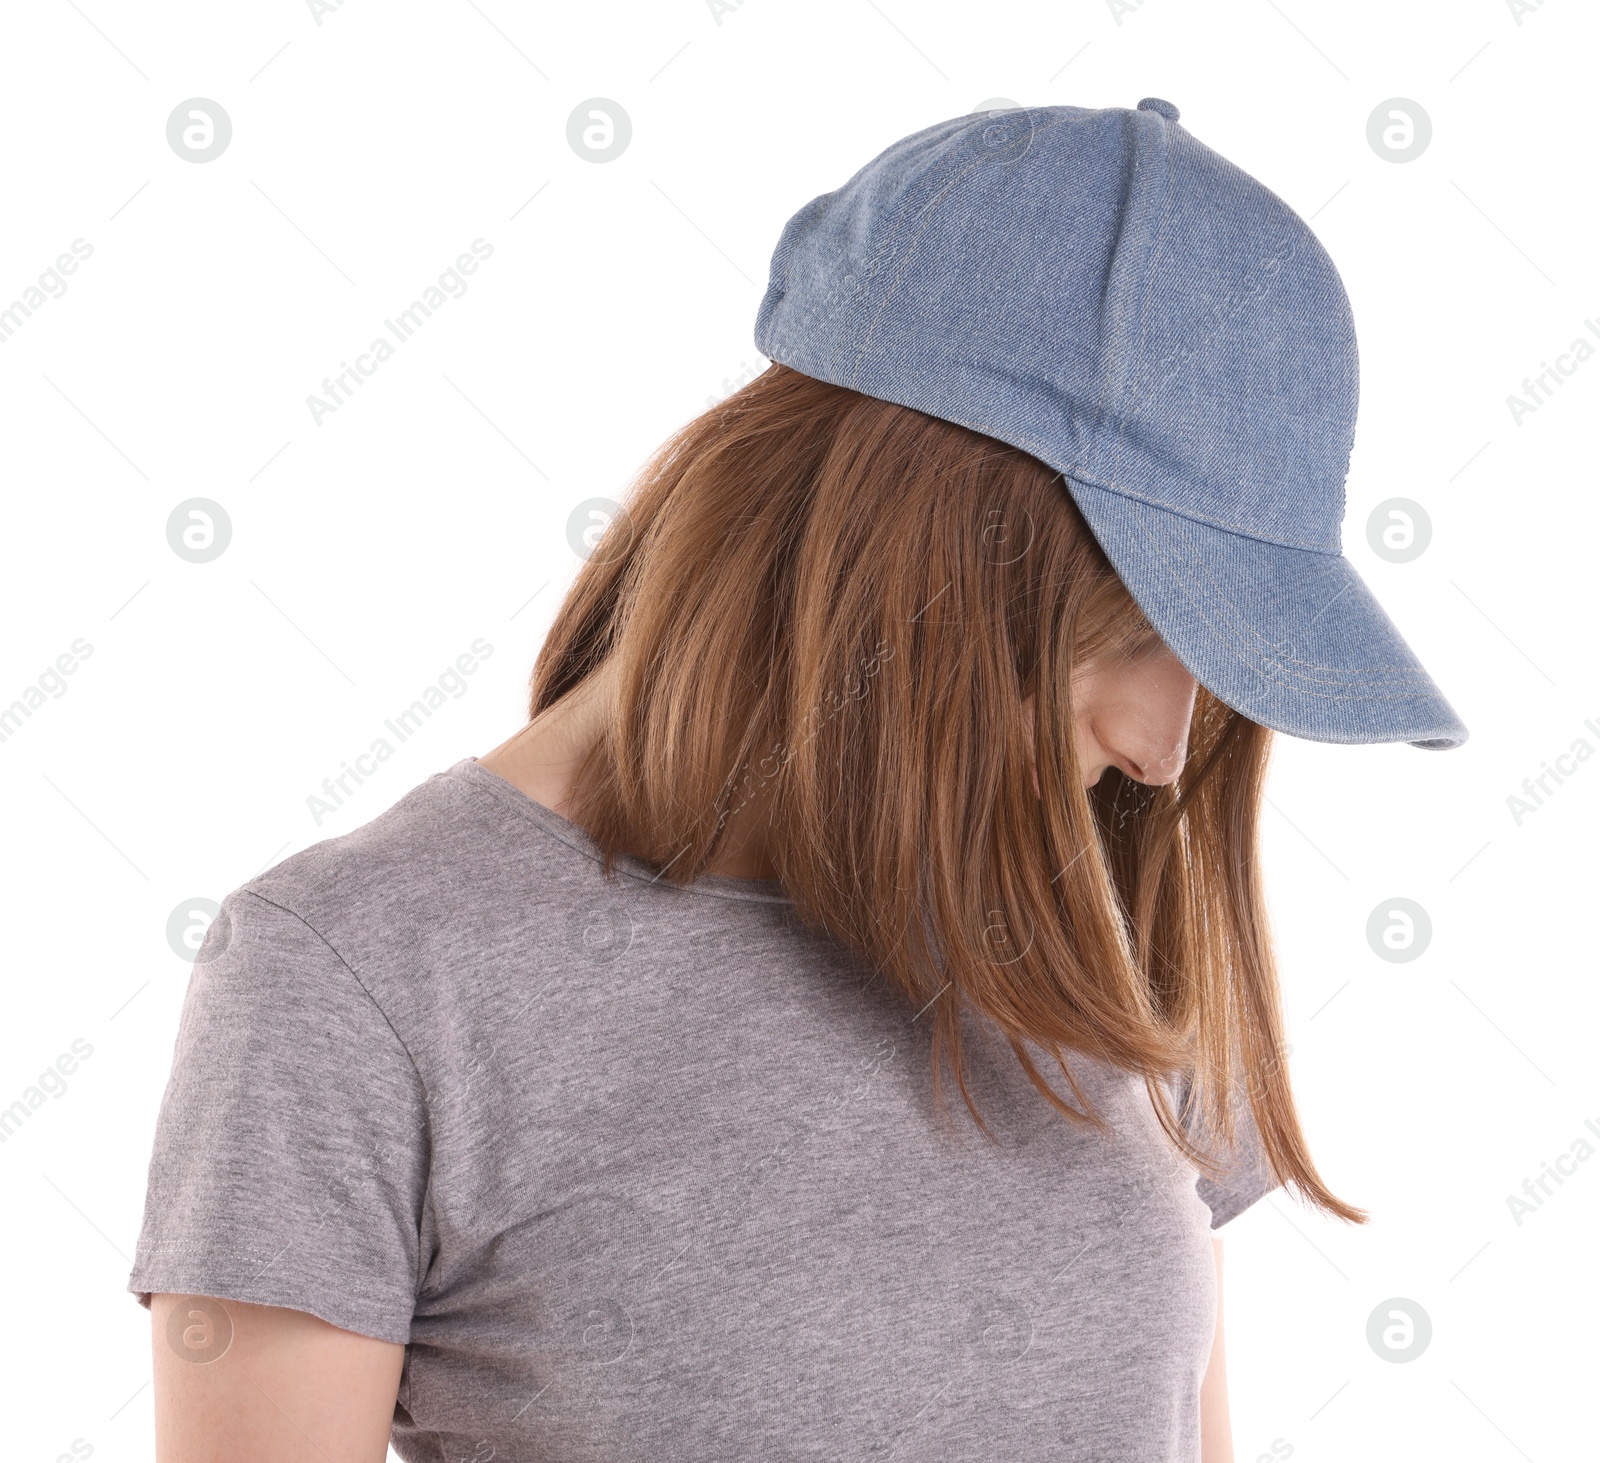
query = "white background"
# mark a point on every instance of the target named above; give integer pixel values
(372, 549)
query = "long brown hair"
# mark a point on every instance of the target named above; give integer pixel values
(840, 606)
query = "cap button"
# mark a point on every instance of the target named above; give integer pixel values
(1155, 104)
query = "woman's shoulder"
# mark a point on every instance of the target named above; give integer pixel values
(426, 883)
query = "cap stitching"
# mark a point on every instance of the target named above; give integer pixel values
(1132, 397)
(1152, 259)
(901, 252)
(1268, 662)
(905, 250)
(1122, 490)
(907, 247)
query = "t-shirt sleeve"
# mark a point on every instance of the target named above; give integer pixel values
(1247, 1173)
(290, 1156)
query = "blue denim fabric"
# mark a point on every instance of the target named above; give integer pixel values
(1109, 294)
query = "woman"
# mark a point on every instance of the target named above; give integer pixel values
(908, 728)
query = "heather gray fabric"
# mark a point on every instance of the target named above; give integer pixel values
(643, 1174)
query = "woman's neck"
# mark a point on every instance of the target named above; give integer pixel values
(542, 761)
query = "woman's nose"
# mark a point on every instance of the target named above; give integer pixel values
(1161, 768)
(1155, 747)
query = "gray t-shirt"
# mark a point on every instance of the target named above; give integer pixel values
(643, 1174)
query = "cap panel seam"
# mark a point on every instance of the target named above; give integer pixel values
(1122, 490)
(1269, 660)
(1152, 258)
(903, 252)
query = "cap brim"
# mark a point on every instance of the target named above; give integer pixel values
(1291, 638)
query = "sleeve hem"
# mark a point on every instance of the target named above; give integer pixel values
(1230, 1207)
(383, 1318)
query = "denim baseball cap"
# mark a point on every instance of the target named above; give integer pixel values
(1102, 290)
